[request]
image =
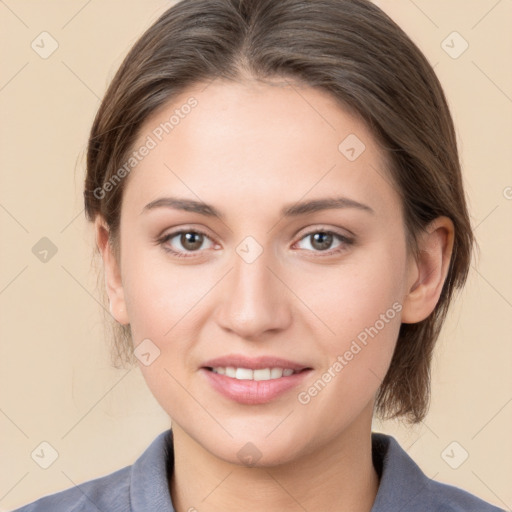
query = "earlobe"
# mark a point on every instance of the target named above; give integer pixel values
(428, 272)
(113, 282)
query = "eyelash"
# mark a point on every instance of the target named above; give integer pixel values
(346, 241)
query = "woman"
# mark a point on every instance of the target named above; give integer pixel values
(278, 203)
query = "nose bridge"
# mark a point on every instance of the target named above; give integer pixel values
(255, 300)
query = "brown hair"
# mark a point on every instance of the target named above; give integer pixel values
(352, 50)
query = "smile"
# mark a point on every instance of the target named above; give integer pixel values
(253, 381)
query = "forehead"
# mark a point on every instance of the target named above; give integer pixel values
(257, 144)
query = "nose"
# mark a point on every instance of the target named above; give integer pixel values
(255, 298)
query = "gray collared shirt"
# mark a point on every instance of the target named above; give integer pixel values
(143, 486)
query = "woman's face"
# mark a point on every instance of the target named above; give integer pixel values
(276, 280)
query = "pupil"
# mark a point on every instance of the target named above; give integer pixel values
(188, 240)
(324, 243)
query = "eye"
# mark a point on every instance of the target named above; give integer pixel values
(191, 240)
(322, 240)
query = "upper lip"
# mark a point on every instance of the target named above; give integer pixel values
(253, 363)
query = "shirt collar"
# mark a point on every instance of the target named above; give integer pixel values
(149, 482)
(401, 481)
(403, 485)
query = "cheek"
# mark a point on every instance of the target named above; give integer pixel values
(160, 302)
(165, 303)
(362, 307)
(356, 357)
(158, 294)
(353, 296)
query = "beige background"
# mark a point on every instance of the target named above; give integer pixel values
(56, 383)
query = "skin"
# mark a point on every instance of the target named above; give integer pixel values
(249, 148)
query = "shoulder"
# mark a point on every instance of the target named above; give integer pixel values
(403, 485)
(448, 498)
(142, 486)
(110, 492)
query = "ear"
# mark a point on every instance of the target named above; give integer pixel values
(113, 282)
(427, 273)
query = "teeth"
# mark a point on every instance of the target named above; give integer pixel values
(262, 374)
(243, 374)
(275, 373)
(248, 374)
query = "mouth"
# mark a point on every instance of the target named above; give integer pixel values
(253, 381)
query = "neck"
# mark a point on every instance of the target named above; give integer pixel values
(340, 476)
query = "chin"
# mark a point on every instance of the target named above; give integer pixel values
(256, 449)
(254, 455)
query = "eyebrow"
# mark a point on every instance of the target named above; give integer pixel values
(292, 210)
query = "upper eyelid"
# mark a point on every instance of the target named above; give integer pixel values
(334, 231)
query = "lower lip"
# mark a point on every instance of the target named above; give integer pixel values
(253, 392)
